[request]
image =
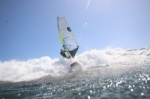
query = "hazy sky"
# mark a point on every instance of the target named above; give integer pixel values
(28, 28)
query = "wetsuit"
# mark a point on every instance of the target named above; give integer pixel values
(63, 53)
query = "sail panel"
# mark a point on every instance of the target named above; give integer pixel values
(66, 36)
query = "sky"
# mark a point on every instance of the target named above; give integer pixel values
(28, 28)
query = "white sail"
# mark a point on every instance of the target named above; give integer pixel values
(66, 36)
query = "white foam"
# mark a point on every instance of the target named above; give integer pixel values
(16, 70)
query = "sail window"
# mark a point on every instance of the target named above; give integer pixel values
(70, 44)
(68, 28)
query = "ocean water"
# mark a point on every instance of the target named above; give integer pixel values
(121, 74)
(102, 84)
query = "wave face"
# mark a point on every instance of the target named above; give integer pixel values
(95, 62)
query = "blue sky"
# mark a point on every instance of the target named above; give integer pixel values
(28, 28)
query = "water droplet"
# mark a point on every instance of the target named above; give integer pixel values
(133, 85)
(88, 97)
(90, 91)
(147, 87)
(19, 94)
(142, 94)
(129, 86)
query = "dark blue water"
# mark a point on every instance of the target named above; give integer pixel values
(95, 83)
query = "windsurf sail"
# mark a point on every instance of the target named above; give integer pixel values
(66, 37)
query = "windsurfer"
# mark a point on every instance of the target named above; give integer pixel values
(62, 52)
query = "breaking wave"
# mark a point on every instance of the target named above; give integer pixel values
(108, 62)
